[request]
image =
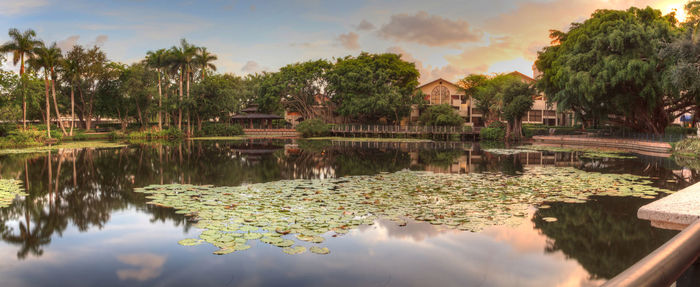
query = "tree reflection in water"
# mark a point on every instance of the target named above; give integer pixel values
(83, 188)
(603, 235)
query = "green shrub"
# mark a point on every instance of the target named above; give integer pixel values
(679, 130)
(80, 136)
(496, 131)
(171, 133)
(687, 147)
(441, 115)
(115, 135)
(313, 128)
(23, 138)
(220, 130)
(5, 129)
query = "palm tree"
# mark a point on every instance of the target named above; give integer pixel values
(54, 57)
(175, 61)
(42, 61)
(21, 46)
(70, 69)
(204, 60)
(182, 59)
(158, 60)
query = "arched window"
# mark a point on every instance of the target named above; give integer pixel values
(440, 95)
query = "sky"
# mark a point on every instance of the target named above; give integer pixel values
(444, 38)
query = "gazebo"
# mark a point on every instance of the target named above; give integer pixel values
(250, 118)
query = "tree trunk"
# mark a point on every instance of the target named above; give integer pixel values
(48, 106)
(55, 105)
(24, 91)
(72, 110)
(160, 104)
(509, 129)
(189, 126)
(179, 108)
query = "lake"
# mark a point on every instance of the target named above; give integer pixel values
(88, 221)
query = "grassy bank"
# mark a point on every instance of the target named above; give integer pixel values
(65, 145)
(687, 148)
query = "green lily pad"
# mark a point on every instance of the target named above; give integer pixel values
(309, 210)
(319, 250)
(190, 242)
(294, 250)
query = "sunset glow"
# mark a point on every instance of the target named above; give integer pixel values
(449, 40)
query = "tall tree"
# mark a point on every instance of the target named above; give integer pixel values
(21, 45)
(218, 96)
(610, 65)
(158, 61)
(517, 100)
(43, 61)
(297, 87)
(92, 68)
(181, 60)
(488, 97)
(70, 72)
(52, 60)
(205, 60)
(373, 86)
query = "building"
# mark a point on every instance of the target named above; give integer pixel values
(441, 91)
(250, 118)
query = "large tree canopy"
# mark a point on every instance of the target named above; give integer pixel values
(610, 65)
(373, 86)
(295, 88)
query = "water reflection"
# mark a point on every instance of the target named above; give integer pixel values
(79, 196)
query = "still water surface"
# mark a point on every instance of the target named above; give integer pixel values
(82, 224)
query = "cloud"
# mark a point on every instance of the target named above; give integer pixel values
(68, 43)
(251, 67)
(365, 26)
(428, 72)
(10, 8)
(151, 265)
(430, 30)
(101, 39)
(349, 41)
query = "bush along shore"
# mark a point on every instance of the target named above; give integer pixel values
(15, 138)
(687, 148)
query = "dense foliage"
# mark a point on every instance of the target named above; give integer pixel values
(609, 67)
(370, 87)
(496, 131)
(441, 115)
(313, 128)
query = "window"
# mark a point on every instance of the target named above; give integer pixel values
(440, 95)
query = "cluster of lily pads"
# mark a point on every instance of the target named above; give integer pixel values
(592, 153)
(9, 189)
(584, 153)
(290, 213)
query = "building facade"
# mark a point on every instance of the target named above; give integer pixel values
(441, 91)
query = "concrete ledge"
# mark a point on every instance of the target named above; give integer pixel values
(675, 211)
(626, 144)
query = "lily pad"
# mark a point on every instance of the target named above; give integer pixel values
(284, 213)
(294, 250)
(319, 250)
(9, 190)
(190, 242)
